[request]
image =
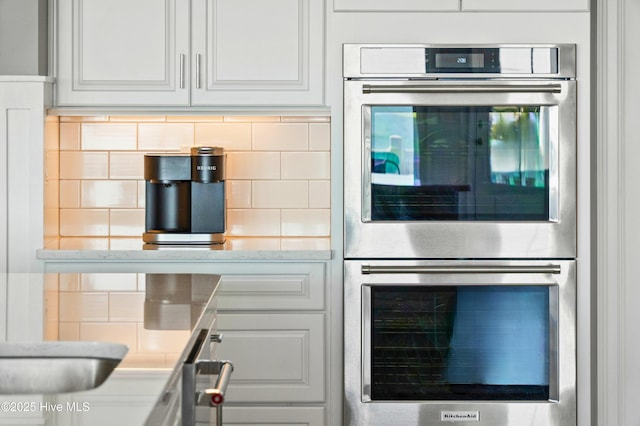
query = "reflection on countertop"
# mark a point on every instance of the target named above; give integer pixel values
(154, 315)
(133, 249)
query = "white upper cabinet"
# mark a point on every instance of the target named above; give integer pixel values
(257, 52)
(526, 5)
(242, 52)
(459, 5)
(395, 6)
(122, 52)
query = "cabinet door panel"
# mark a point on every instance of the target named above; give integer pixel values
(522, 5)
(395, 6)
(122, 52)
(276, 357)
(274, 287)
(116, 47)
(274, 416)
(241, 56)
(257, 52)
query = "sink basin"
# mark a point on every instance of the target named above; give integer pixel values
(56, 367)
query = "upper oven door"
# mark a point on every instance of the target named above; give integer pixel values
(460, 168)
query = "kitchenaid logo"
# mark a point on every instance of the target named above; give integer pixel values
(209, 168)
(460, 416)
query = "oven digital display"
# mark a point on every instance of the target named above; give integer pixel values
(459, 60)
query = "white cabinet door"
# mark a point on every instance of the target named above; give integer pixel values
(395, 6)
(123, 52)
(525, 5)
(270, 415)
(273, 287)
(257, 52)
(276, 357)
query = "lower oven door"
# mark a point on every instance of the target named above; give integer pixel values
(429, 342)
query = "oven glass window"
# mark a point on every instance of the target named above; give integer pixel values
(460, 343)
(466, 163)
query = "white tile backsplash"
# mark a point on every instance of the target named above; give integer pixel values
(307, 222)
(319, 194)
(280, 194)
(70, 136)
(108, 194)
(238, 193)
(126, 223)
(276, 169)
(306, 165)
(126, 165)
(230, 136)
(253, 165)
(253, 222)
(194, 119)
(70, 194)
(280, 136)
(84, 222)
(319, 136)
(84, 243)
(108, 136)
(84, 165)
(164, 137)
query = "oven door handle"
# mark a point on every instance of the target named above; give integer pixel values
(462, 88)
(464, 269)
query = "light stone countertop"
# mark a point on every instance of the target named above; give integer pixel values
(234, 249)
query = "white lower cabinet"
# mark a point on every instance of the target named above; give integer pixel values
(274, 416)
(273, 322)
(277, 357)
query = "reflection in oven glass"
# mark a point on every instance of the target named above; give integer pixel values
(460, 343)
(461, 162)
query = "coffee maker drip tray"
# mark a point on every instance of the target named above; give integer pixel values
(179, 238)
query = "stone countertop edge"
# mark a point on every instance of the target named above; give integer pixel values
(181, 255)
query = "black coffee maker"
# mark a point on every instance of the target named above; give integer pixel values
(185, 197)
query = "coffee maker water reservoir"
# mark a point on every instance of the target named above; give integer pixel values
(185, 197)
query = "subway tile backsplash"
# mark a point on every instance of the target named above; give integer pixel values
(277, 172)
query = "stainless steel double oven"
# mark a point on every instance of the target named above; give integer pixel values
(460, 234)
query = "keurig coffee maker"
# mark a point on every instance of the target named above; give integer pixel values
(185, 198)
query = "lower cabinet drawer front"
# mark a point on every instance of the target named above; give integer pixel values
(273, 416)
(276, 357)
(289, 286)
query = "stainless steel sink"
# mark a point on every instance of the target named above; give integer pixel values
(56, 367)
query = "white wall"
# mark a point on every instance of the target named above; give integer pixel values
(23, 37)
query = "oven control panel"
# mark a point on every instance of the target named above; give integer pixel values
(380, 61)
